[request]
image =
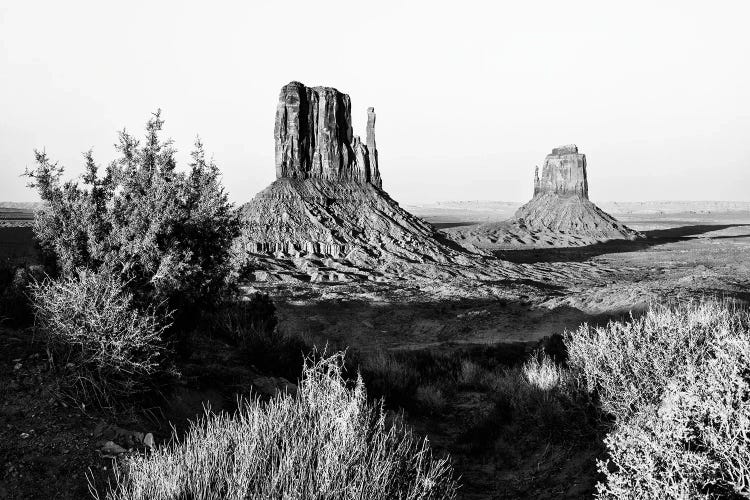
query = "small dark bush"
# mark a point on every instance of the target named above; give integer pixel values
(250, 322)
(15, 304)
(106, 350)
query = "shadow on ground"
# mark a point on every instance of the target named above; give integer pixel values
(583, 253)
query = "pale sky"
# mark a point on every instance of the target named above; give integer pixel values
(469, 95)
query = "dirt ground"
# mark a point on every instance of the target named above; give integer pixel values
(684, 255)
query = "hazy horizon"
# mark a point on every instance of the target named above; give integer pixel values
(468, 98)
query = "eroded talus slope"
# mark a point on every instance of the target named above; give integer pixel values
(356, 224)
(326, 217)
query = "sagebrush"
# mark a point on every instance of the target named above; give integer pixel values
(677, 382)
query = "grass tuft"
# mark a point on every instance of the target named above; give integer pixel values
(326, 442)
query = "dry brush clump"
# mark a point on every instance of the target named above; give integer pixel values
(327, 442)
(677, 382)
(106, 349)
(544, 395)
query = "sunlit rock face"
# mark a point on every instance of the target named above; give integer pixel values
(314, 137)
(559, 214)
(326, 216)
(563, 173)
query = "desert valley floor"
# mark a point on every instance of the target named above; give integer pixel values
(689, 251)
(685, 254)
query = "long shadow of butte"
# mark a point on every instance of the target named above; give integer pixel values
(583, 253)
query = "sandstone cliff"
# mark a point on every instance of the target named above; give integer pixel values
(326, 217)
(563, 173)
(314, 137)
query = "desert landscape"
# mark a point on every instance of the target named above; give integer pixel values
(437, 305)
(491, 251)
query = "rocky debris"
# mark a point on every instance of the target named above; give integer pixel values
(46, 447)
(272, 386)
(114, 440)
(559, 214)
(326, 218)
(314, 137)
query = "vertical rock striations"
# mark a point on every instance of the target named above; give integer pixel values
(563, 173)
(326, 216)
(314, 137)
(372, 149)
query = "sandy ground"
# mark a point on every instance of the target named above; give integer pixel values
(684, 255)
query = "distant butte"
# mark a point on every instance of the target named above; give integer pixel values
(559, 214)
(563, 174)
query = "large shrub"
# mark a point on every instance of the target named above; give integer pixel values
(677, 382)
(105, 348)
(167, 234)
(327, 442)
(630, 363)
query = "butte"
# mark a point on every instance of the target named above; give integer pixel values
(326, 216)
(560, 213)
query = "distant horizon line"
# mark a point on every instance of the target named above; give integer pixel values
(479, 200)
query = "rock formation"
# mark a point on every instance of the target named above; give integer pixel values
(559, 214)
(563, 173)
(326, 218)
(314, 138)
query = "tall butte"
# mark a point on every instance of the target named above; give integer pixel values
(559, 214)
(314, 137)
(326, 217)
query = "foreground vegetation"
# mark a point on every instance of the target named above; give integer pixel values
(138, 271)
(327, 442)
(139, 260)
(677, 382)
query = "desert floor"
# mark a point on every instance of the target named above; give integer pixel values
(687, 253)
(684, 255)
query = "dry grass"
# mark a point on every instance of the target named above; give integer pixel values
(544, 374)
(105, 349)
(430, 398)
(325, 443)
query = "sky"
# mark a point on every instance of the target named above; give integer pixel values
(469, 96)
